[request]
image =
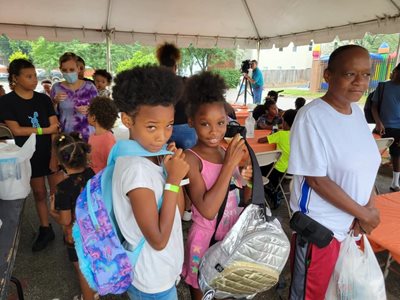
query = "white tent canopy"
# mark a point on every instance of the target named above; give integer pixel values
(204, 23)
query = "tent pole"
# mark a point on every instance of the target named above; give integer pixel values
(108, 50)
(258, 50)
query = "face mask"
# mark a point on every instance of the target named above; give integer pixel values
(71, 77)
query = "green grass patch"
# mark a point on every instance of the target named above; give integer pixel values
(301, 93)
(308, 95)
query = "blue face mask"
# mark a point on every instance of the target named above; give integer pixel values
(71, 77)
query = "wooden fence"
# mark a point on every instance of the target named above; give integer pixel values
(286, 77)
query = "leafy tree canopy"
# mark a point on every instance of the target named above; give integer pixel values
(17, 55)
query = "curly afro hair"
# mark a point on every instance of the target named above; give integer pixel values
(147, 85)
(104, 110)
(168, 55)
(71, 150)
(103, 73)
(203, 88)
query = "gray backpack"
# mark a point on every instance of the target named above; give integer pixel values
(252, 255)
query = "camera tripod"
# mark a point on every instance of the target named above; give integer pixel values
(247, 89)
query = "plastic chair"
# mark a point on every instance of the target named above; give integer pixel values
(383, 144)
(289, 177)
(267, 158)
(5, 132)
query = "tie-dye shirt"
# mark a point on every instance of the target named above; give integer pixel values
(70, 119)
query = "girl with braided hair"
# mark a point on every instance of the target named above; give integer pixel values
(72, 154)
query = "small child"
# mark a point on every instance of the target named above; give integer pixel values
(146, 96)
(270, 117)
(299, 103)
(282, 141)
(102, 80)
(71, 152)
(102, 114)
(213, 170)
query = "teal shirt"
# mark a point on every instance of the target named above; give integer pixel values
(258, 78)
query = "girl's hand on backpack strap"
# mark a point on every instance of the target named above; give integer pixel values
(247, 173)
(235, 151)
(176, 167)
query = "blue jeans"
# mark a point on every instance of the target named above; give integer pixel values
(184, 136)
(257, 92)
(135, 294)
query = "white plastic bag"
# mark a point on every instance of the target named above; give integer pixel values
(357, 275)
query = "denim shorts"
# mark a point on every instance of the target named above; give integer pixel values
(135, 294)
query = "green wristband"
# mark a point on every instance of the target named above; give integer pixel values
(171, 187)
(39, 130)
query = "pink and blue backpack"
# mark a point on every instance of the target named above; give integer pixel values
(105, 259)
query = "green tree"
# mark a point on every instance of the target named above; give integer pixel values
(205, 57)
(372, 42)
(231, 76)
(139, 58)
(17, 55)
(8, 47)
(45, 54)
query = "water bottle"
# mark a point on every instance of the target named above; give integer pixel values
(250, 123)
(275, 128)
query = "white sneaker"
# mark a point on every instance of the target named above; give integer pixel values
(187, 215)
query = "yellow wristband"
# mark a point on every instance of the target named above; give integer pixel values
(249, 185)
(39, 130)
(171, 187)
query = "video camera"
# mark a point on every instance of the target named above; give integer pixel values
(246, 65)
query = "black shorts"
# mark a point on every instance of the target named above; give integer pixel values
(73, 257)
(40, 164)
(394, 149)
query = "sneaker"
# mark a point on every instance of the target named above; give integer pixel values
(46, 234)
(187, 215)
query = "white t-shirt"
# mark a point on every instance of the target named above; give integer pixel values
(155, 271)
(325, 142)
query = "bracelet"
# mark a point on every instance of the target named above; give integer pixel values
(171, 187)
(249, 185)
(39, 130)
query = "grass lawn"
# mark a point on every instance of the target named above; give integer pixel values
(308, 95)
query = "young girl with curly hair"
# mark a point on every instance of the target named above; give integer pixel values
(213, 172)
(146, 97)
(102, 116)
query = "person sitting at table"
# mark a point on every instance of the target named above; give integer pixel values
(271, 117)
(299, 103)
(259, 110)
(282, 141)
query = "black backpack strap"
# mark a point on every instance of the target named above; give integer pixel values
(221, 213)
